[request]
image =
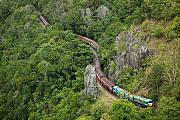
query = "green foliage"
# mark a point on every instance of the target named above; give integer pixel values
(125, 8)
(135, 18)
(105, 116)
(164, 9)
(70, 106)
(74, 21)
(172, 31)
(97, 110)
(127, 76)
(94, 4)
(157, 31)
(123, 109)
(4, 10)
(168, 109)
(41, 69)
(95, 30)
(34, 116)
(107, 41)
(113, 65)
(35, 63)
(146, 25)
(147, 114)
(85, 117)
(155, 77)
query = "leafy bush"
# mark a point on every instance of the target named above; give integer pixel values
(97, 110)
(157, 30)
(127, 77)
(168, 109)
(163, 9)
(173, 30)
(124, 110)
(135, 18)
(146, 25)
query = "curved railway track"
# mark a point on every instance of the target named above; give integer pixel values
(111, 87)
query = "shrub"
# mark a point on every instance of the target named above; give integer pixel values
(157, 31)
(124, 110)
(172, 31)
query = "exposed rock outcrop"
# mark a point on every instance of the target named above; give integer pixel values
(87, 12)
(87, 15)
(102, 11)
(90, 81)
(132, 56)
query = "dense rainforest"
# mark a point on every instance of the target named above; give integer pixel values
(42, 69)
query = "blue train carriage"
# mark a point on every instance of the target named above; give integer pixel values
(141, 100)
(134, 98)
(119, 91)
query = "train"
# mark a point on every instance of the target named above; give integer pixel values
(111, 87)
(103, 80)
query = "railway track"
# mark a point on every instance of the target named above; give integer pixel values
(111, 87)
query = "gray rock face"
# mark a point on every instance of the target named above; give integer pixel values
(102, 11)
(90, 81)
(87, 14)
(132, 57)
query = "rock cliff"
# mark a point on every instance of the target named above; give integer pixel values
(90, 81)
(132, 54)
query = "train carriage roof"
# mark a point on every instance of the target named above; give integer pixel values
(142, 98)
(100, 73)
(108, 82)
(138, 97)
(93, 42)
(115, 86)
(120, 89)
(148, 100)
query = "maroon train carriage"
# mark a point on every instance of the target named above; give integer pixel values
(107, 84)
(82, 39)
(99, 74)
(97, 63)
(102, 78)
(92, 42)
(88, 41)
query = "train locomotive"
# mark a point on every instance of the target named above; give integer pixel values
(114, 89)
